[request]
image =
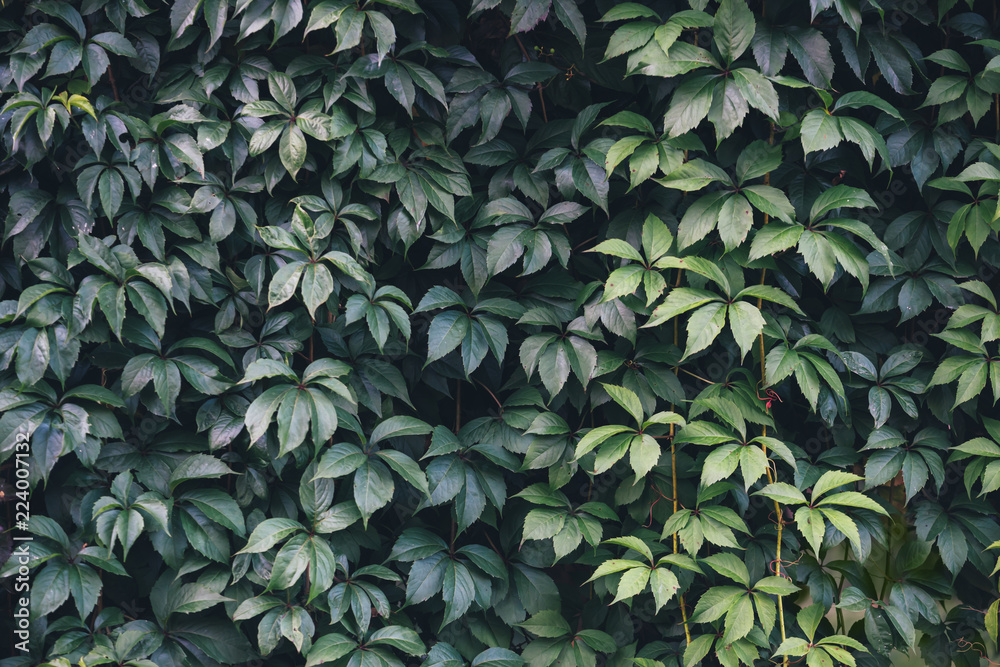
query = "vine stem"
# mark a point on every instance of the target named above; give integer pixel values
(495, 399)
(698, 377)
(114, 84)
(840, 589)
(770, 475)
(888, 545)
(777, 568)
(673, 493)
(673, 473)
(781, 523)
(524, 51)
(538, 86)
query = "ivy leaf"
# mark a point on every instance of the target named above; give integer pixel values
(549, 623)
(373, 488)
(734, 29)
(292, 148)
(626, 399)
(812, 52)
(447, 332)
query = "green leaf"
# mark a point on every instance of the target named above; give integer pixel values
(617, 248)
(690, 104)
(698, 649)
(627, 399)
(339, 460)
(620, 150)
(407, 468)
(185, 149)
(543, 524)
(613, 565)
(680, 300)
(447, 331)
(953, 547)
(831, 480)
(879, 405)
(268, 533)
(284, 283)
(794, 646)
(757, 90)
(292, 150)
(623, 281)
(812, 52)
(811, 524)
(548, 623)
(497, 657)
(820, 131)
(735, 220)
(329, 648)
(856, 99)
(398, 637)
(774, 238)
(632, 583)
(704, 326)
(645, 453)
(771, 201)
(398, 427)
(373, 488)
(596, 436)
(458, 590)
(772, 294)
(979, 447)
(317, 286)
(819, 255)
(739, 620)
(734, 28)
(729, 566)
(198, 466)
(629, 37)
(633, 543)
(664, 585)
(971, 383)
(853, 499)
(844, 524)
(51, 588)
(216, 505)
(628, 10)
(839, 196)
(656, 238)
(776, 586)
(784, 493)
(746, 323)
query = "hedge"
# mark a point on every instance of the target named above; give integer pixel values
(388, 333)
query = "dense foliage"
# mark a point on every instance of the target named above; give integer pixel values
(419, 332)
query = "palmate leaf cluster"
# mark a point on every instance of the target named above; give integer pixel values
(383, 333)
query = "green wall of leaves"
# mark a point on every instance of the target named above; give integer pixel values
(506, 332)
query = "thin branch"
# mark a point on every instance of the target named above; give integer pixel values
(541, 98)
(114, 84)
(495, 399)
(524, 51)
(695, 376)
(538, 86)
